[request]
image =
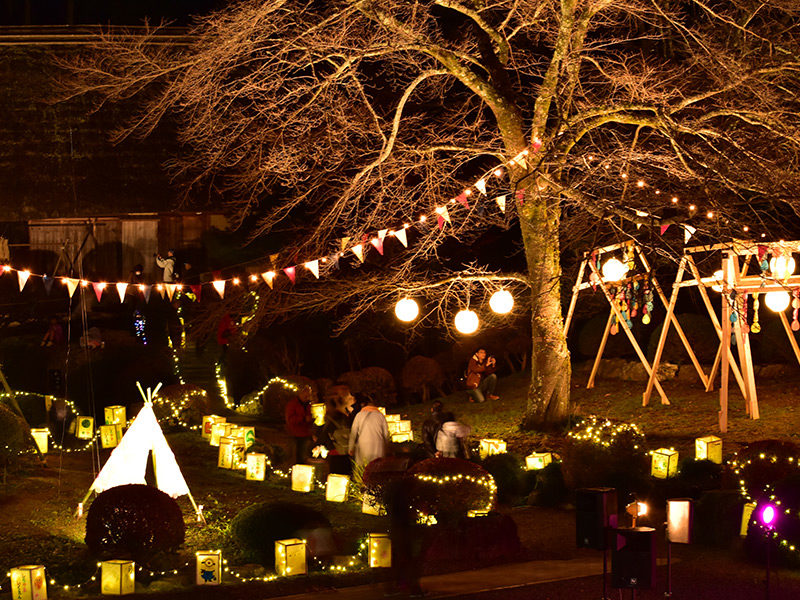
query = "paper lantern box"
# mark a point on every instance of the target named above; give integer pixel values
(40, 436)
(392, 418)
(336, 487)
(380, 550)
(399, 426)
(208, 422)
(115, 415)
(479, 512)
(110, 435)
(85, 428)
(219, 431)
(256, 466)
(231, 453)
(538, 460)
(708, 448)
(28, 583)
(405, 436)
(664, 463)
(302, 478)
(209, 567)
(371, 506)
(488, 447)
(318, 412)
(248, 434)
(290, 557)
(117, 577)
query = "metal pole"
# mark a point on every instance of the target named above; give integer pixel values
(605, 570)
(766, 588)
(668, 593)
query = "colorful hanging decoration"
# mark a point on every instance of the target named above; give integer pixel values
(22, 278)
(756, 326)
(291, 273)
(795, 309)
(122, 287)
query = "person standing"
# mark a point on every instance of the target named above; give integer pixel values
(369, 436)
(481, 379)
(299, 422)
(168, 264)
(430, 427)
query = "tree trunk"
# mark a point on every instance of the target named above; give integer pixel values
(548, 397)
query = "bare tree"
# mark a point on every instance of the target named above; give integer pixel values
(357, 114)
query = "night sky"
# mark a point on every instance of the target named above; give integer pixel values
(115, 12)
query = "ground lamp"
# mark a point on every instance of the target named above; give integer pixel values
(28, 583)
(302, 478)
(256, 466)
(767, 517)
(379, 547)
(708, 448)
(466, 321)
(85, 428)
(614, 270)
(406, 310)
(635, 510)
(110, 435)
(747, 513)
(392, 418)
(208, 421)
(501, 302)
(538, 460)
(209, 567)
(479, 512)
(231, 452)
(117, 577)
(247, 435)
(40, 436)
(290, 556)
(402, 436)
(115, 415)
(399, 426)
(777, 301)
(680, 514)
(664, 463)
(318, 412)
(489, 446)
(336, 487)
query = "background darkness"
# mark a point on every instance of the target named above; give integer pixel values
(114, 12)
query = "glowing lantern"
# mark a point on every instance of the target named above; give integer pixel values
(246, 434)
(402, 436)
(679, 520)
(538, 460)
(406, 310)
(85, 428)
(391, 418)
(371, 506)
(399, 426)
(209, 567)
(501, 302)
(614, 270)
(747, 513)
(218, 431)
(718, 276)
(318, 412)
(489, 446)
(466, 321)
(379, 550)
(110, 435)
(782, 267)
(708, 448)
(290, 557)
(777, 301)
(115, 414)
(480, 512)
(231, 453)
(336, 488)
(208, 422)
(256, 466)
(40, 437)
(117, 577)
(664, 463)
(302, 478)
(28, 583)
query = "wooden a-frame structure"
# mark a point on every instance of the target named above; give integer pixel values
(590, 260)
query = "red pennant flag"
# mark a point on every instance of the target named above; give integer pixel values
(290, 273)
(762, 250)
(440, 221)
(462, 198)
(521, 196)
(196, 289)
(664, 228)
(98, 290)
(378, 243)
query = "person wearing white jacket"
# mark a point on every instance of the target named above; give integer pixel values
(449, 437)
(369, 435)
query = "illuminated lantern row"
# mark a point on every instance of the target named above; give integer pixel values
(664, 463)
(336, 488)
(209, 567)
(28, 583)
(708, 448)
(489, 446)
(218, 431)
(231, 453)
(391, 418)
(379, 550)
(302, 478)
(117, 577)
(290, 557)
(466, 321)
(538, 460)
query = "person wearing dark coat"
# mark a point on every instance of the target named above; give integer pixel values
(430, 427)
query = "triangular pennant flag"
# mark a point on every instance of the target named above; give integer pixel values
(98, 290)
(762, 250)
(537, 143)
(48, 284)
(171, 289)
(664, 228)
(196, 290)
(121, 288)
(146, 289)
(501, 202)
(219, 285)
(268, 277)
(291, 273)
(688, 232)
(400, 234)
(481, 185)
(313, 266)
(520, 160)
(382, 233)
(358, 250)
(442, 212)
(72, 285)
(345, 241)
(22, 278)
(378, 243)
(462, 198)
(273, 258)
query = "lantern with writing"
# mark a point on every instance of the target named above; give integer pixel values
(538, 460)
(747, 513)
(302, 478)
(28, 583)
(256, 466)
(318, 412)
(664, 463)
(708, 448)
(380, 550)
(336, 488)
(208, 421)
(110, 435)
(290, 557)
(115, 415)
(218, 431)
(40, 436)
(248, 435)
(117, 577)
(489, 446)
(209, 567)
(231, 453)
(85, 428)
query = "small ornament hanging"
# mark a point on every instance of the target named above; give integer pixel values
(796, 307)
(635, 307)
(745, 324)
(756, 326)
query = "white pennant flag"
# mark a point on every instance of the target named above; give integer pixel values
(72, 285)
(22, 278)
(688, 232)
(171, 287)
(382, 234)
(481, 185)
(269, 277)
(121, 287)
(219, 285)
(501, 202)
(358, 250)
(313, 266)
(400, 234)
(442, 212)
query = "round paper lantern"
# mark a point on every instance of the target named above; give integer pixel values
(466, 321)
(782, 267)
(717, 277)
(501, 302)
(777, 301)
(406, 309)
(614, 269)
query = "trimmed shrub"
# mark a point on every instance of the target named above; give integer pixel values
(181, 403)
(546, 487)
(448, 487)
(762, 464)
(506, 469)
(133, 521)
(14, 434)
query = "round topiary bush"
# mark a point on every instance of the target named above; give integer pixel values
(14, 434)
(256, 528)
(546, 487)
(180, 404)
(760, 465)
(506, 469)
(134, 521)
(449, 487)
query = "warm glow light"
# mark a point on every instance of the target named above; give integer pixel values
(501, 302)
(692, 207)
(768, 515)
(641, 508)
(745, 228)
(777, 301)
(466, 321)
(253, 277)
(782, 266)
(640, 183)
(674, 199)
(236, 281)
(406, 310)
(718, 277)
(614, 269)
(710, 214)
(498, 172)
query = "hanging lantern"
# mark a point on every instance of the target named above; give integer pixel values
(501, 302)
(782, 266)
(110, 435)
(290, 557)
(406, 310)
(85, 428)
(117, 577)
(777, 301)
(209, 567)
(614, 269)
(466, 321)
(115, 414)
(717, 277)
(318, 412)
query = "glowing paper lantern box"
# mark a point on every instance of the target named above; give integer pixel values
(380, 550)
(231, 453)
(371, 506)
(489, 446)
(248, 434)
(708, 448)
(208, 421)
(318, 412)
(538, 460)
(209, 567)
(399, 426)
(405, 436)
(664, 463)
(336, 488)
(28, 583)
(115, 415)
(256, 469)
(302, 478)
(110, 435)
(392, 418)
(218, 431)
(85, 428)
(117, 577)
(40, 436)
(290, 556)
